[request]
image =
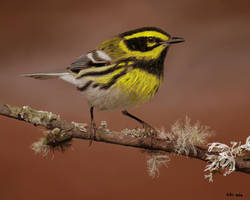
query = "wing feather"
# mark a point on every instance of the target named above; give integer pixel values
(95, 58)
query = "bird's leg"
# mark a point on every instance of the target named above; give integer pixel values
(92, 126)
(148, 128)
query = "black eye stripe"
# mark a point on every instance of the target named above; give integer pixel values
(151, 39)
(141, 43)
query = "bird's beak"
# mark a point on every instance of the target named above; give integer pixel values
(175, 40)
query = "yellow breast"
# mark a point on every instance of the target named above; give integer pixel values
(139, 85)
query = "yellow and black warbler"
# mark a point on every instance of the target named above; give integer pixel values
(123, 71)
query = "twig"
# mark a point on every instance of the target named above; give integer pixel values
(61, 131)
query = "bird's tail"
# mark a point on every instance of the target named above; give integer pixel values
(46, 75)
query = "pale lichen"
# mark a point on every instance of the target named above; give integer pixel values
(104, 127)
(80, 126)
(136, 133)
(209, 177)
(104, 124)
(225, 160)
(244, 148)
(167, 136)
(189, 135)
(40, 147)
(155, 161)
(33, 116)
(55, 139)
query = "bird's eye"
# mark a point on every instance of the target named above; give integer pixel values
(151, 39)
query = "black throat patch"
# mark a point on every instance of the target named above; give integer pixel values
(154, 66)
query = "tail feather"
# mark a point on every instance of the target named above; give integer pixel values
(46, 75)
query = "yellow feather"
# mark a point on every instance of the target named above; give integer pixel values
(93, 69)
(139, 85)
(147, 34)
(104, 79)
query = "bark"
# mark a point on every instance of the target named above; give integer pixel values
(62, 131)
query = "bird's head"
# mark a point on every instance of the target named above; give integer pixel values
(143, 44)
(146, 43)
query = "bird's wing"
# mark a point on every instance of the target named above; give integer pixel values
(95, 58)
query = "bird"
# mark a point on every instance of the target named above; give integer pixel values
(123, 71)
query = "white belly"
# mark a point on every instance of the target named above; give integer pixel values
(110, 99)
(102, 99)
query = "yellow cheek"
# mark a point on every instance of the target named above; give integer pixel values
(150, 44)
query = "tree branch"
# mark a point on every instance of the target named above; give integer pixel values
(61, 131)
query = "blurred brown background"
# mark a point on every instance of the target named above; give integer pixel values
(207, 77)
